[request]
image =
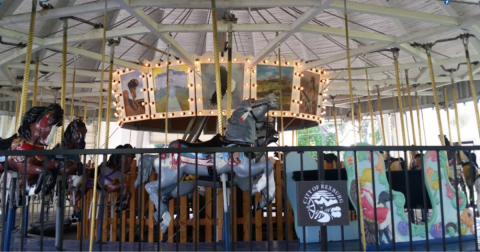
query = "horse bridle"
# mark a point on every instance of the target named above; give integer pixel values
(255, 118)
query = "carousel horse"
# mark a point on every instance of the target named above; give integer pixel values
(111, 181)
(36, 132)
(73, 139)
(177, 172)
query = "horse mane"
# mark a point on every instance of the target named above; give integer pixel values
(114, 159)
(72, 127)
(36, 113)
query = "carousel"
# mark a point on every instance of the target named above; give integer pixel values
(376, 105)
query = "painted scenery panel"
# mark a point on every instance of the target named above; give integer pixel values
(209, 90)
(178, 88)
(132, 84)
(309, 95)
(267, 82)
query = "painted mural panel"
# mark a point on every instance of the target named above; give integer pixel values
(268, 82)
(178, 93)
(132, 84)
(375, 194)
(209, 89)
(309, 95)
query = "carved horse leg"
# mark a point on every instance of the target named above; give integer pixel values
(242, 171)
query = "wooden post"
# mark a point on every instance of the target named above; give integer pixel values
(114, 221)
(247, 222)
(258, 219)
(208, 215)
(183, 218)
(171, 231)
(151, 209)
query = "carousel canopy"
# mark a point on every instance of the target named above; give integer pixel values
(309, 33)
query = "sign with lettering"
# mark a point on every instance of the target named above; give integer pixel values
(322, 203)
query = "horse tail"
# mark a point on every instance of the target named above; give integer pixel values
(146, 169)
(6, 143)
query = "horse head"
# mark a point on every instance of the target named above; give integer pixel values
(39, 124)
(249, 118)
(74, 136)
(114, 161)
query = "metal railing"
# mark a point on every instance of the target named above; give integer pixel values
(321, 173)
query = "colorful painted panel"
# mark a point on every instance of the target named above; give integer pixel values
(375, 177)
(133, 96)
(309, 95)
(267, 80)
(178, 92)
(442, 190)
(209, 89)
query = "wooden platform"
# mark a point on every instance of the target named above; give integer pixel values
(33, 244)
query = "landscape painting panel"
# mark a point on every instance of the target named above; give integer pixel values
(178, 93)
(267, 83)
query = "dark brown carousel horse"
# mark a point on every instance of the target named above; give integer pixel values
(36, 132)
(111, 180)
(73, 139)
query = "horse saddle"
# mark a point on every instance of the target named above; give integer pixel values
(202, 159)
(216, 141)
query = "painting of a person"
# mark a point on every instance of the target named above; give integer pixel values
(132, 105)
(310, 83)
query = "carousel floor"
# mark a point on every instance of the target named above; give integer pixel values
(32, 243)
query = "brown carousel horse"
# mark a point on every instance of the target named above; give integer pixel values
(111, 181)
(36, 132)
(73, 139)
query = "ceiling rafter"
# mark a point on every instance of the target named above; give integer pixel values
(382, 69)
(40, 43)
(296, 25)
(205, 4)
(399, 40)
(148, 22)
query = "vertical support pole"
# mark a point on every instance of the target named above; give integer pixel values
(28, 59)
(410, 107)
(95, 179)
(472, 84)
(384, 140)
(370, 109)
(10, 214)
(226, 214)
(454, 95)
(281, 93)
(399, 95)
(218, 79)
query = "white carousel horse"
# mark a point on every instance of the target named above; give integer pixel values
(177, 172)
